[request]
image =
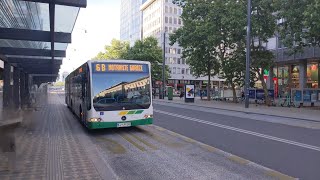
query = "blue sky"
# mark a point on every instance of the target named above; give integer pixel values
(101, 20)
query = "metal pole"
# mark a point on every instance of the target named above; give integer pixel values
(164, 65)
(247, 85)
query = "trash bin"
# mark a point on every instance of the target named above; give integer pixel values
(170, 93)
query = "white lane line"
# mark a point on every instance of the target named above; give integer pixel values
(307, 146)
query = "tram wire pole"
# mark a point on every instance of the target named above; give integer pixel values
(247, 78)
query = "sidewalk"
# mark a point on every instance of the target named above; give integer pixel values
(48, 146)
(294, 113)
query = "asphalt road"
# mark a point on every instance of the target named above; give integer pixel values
(291, 150)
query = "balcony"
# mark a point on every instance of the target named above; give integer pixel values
(282, 55)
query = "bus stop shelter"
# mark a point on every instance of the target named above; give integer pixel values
(34, 35)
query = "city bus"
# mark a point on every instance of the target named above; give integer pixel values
(110, 93)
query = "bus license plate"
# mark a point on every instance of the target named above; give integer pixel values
(126, 124)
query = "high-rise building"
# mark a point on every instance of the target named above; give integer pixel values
(131, 20)
(64, 75)
(160, 18)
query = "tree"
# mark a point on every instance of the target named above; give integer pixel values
(198, 37)
(59, 83)
(263, 28)
(117, 50)
(231, 50)
(148, 50)
(300, 24)
(233, 70)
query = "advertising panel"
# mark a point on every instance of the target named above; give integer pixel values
(307, 96)
(297, 95)
(252, 93)
(189, 94)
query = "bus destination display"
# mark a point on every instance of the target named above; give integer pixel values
(112, 67)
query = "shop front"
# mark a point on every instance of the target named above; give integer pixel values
(295, 76)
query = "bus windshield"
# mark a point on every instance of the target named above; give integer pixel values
(121, 91)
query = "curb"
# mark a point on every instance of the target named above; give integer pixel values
(236, 159)
(272, 115)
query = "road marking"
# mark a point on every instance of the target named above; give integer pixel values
(307, 146)
(161, 139)
(279, 175)
(111, 145)
(144, 142)
(124, 136)
(238, 159)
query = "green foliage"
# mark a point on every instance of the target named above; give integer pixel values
(117, 50)
(263, 27)
(59, 83)
(199, 36)
(214, 34)
(301, 24)
(233, 68)
(145, 50)
(148, 50)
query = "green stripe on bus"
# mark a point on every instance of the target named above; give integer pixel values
(139, 112)
(131, 112)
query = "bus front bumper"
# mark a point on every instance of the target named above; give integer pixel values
(101, 125)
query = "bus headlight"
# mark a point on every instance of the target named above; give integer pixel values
(148, 116)
(95, 120)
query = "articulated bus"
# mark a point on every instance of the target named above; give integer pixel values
(111, 93)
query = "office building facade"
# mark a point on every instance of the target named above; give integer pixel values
(131, 20)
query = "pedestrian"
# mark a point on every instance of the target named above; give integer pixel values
(201, 94)
(153, 93)
(181, 94)
(242, 96)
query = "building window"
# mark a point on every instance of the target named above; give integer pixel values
(179, 51)
(174, 70)
(170, 29)
(179, 11)
(179, 21)
(182, 71)
(187, 71)
(171, 60)
(170, 70)
(312, 75)
(170, 20)
(166, 9)
(183, 61)
(178, 70)
(166, 19)
(175, 60)
(175, 20)
(175, 10)
(174, 51)
(166, 29)
(179, 60)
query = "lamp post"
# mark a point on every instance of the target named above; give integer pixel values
(164, 65)
(247, 78)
